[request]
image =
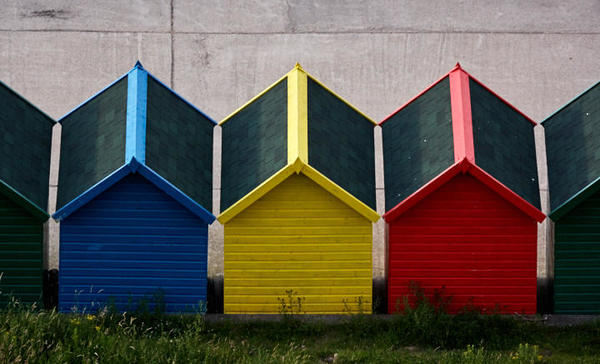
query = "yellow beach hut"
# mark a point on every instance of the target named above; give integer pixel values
(297, 202)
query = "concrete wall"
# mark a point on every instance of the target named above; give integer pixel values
(377, 54)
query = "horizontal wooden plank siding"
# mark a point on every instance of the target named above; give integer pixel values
(468, 242)
(130, 245)
(21, 241)
(577, 260)
(298, 237)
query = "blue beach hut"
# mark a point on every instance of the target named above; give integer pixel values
(134, 198)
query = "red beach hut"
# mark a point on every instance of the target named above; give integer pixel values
(462, 198)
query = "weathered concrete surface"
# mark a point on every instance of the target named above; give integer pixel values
(51, 236)
(86, 15)
(334, 16)
(379, 72)
(59, 70)
(545, 241)
(230, 16)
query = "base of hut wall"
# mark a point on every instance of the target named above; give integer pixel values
(379, 295)
(50, 288)
(214, 294)
(545, 295)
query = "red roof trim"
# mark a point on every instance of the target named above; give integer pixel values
(502, 99)
(462, 123)
(464, 166)
(418, 95)
(423, 192)
(507, 193)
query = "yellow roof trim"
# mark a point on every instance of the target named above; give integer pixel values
(297, 107)
(340, 193)
(253, 99)
(341, 99)
(298, 167)
(256, 193)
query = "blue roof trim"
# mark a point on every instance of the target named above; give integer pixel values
(137, 96)
(571, 101)
(182, 99)
(134, 166)
(92, 192)
(92, 97)
(175, 193)
(138, 65)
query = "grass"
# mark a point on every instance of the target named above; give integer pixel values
(424, 334)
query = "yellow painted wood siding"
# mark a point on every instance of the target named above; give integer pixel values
(299, 238)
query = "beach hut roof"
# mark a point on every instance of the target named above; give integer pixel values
(573, 151)
(458, 120)
(25, 152)
(136, 116)
(297, 120)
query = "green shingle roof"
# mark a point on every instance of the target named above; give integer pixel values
(92, 142)
(179, 143)
(254, 144)
(26, 135)
(340, 143)
(165, 132)
(504, 143)
(417, 143)
(573, 147)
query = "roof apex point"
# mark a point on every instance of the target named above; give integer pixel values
(457, 66)
(298, 66)
(298, 165)
(138, 64)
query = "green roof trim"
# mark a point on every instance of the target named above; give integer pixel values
(254, 144)
(417, 143)
(341, 143)
(36, 211)
(504, 143)
(92, 142)
(179, 142)
(26, 140)
(585, 193)
(573, 147)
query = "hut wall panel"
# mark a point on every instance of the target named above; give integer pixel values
(468, 240)
(298, 237)
(21, 241)
(577, 260)
(132, 244)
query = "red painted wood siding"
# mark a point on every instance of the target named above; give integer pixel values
(466, 238)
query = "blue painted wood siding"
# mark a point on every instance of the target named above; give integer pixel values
(130, 245)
